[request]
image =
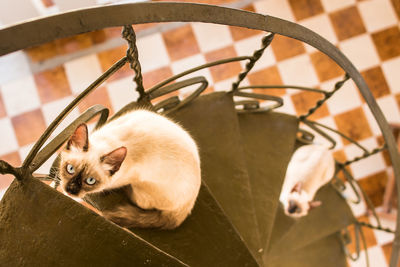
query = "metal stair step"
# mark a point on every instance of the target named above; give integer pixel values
(268, 139)
(325, 252)
(41, 227)
(202, 238)
(333, 215)
(212, 121)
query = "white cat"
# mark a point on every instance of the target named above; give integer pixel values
(310, 167)
(147, 151)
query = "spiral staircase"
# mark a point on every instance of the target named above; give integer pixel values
(244, 147)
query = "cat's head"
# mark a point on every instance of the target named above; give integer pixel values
(297, 203)
(82, 169)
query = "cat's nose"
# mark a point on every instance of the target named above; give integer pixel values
(72, 188)
(292, 206)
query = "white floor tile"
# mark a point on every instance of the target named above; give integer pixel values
(381, 236)
(389, 108)
(24, 151)
(20, 95)
(276, 8)
(212, 36)
(189, 63)
(8, 141)
(152, 52)
(122, 92)
(367, 166)
(246, 47)
(330, 122)
(52, 110)
(357, 209)
(333, 5)
(376, 258)
(377, 14)
(322, 25)
(298, 71)
(345, 99)
(225, 85)
(361, 51)
(82, 72)
(391, 69)
(371, 121)
(13, 66)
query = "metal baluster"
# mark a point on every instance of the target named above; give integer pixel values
(133, 57)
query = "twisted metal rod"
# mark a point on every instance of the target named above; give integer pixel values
(367, 154)
(345, 239)
(328, 95)
(276, 86)
(377, 227)
(265, 42)
(207, 65)
(309, 122)
(133, 57)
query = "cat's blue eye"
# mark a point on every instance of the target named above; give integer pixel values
(90, 181)
(70, 169)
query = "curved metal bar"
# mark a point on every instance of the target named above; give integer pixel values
(23, 35)
(350, 179)
(283, 87)
(368, 201)
(278, 101)
(207, 65)
(322, 133)
(168, 103)
(248, 104)
(346, 239)
(314, 123)
(176, 86)
(306, 137)
(364, 245)
(46, 29)
(32, 154)
(59, 140)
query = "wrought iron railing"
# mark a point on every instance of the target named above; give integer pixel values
(46, 29)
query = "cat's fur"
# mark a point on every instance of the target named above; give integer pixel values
(152, 154)
(310, 167)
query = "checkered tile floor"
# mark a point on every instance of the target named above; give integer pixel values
(367, 32)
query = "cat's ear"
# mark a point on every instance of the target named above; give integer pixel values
(79, 139)
(314, 204)
(114, 159)
(297, 187)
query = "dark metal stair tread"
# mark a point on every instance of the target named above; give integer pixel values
(325, 252)
(290, 234)
(212, 121)
(268, 139)
(200, 241)
(41, 227)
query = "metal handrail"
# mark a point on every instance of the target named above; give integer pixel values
(46, 29)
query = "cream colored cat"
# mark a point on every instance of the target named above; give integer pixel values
(310, 167)
(147, 151)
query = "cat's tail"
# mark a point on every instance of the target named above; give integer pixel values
(132, 216)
